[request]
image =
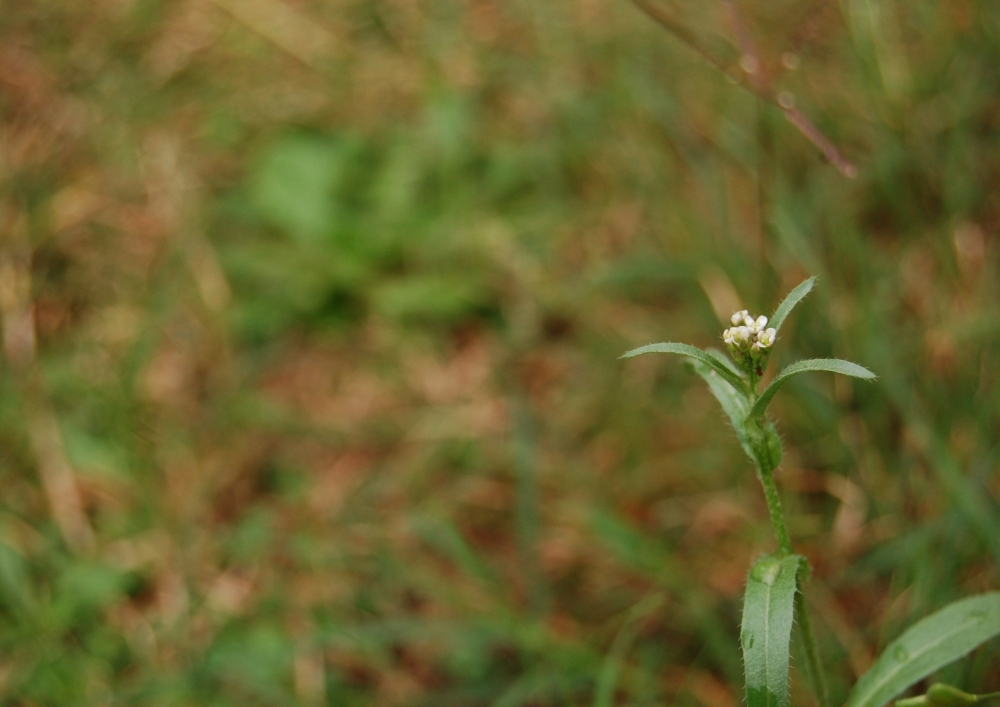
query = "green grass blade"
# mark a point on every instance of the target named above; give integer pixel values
(766, 634)
(930, 644)
(788, 304)
(831, 365)
(614, 661)
(654, 558)
(697, 354)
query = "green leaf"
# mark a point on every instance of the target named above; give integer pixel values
(767, 628)
(697, 354)
(930, 644)
(732, 401)
(786, 307)
(832, 365)
(724, 360)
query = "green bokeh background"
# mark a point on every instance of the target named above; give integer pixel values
(311, 312)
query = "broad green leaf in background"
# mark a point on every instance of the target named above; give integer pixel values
(293, 183)
(767, 629)
(832, 365)
(722, 369)
(255, 657)
(788, 304)
(430, 297)
(930, 644)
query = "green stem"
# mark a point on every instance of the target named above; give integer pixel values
(813, 667)
(766, 476)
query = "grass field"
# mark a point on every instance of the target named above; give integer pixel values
(311, 314)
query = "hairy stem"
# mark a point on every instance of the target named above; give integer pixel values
(766, 475)
(813, 666)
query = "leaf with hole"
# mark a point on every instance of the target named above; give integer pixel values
(697, 354)
(930, 644)
(830, 365)
(768, 608)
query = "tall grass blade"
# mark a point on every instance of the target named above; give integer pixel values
(608, 678)
(527, 512)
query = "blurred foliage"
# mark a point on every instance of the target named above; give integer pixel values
(310, 318)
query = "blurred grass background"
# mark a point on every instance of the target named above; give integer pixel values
(310, 317)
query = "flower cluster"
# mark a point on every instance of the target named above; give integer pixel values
(748, 336)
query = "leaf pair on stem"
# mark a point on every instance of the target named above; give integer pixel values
(743, 383)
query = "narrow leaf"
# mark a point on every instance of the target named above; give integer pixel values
(723, 370)
(788, 304)
(832, 365)
(767, 629)
(930, 644)
(723, 359)
(733, 403)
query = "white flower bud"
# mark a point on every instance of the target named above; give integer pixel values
(748, 340)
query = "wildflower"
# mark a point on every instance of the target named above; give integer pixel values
(749, 341)
(766, 338)
(750, 334)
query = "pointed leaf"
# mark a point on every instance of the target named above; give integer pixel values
(793, 298)
(832, 365)
(732, 401)
(930, 644)
(723, 370)
(768, 608)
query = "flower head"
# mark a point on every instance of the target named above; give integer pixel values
(749, 341)
(766, 338)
